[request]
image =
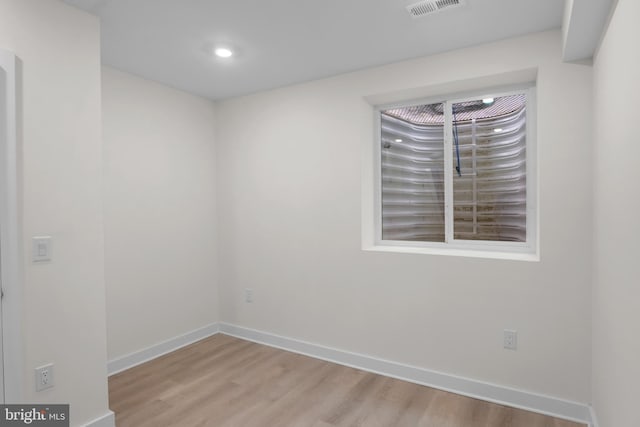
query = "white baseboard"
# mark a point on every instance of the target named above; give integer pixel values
(534, 402)
(107, 420)
(548, 405)
(130, 360)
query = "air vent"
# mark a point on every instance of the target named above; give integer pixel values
(428, 7)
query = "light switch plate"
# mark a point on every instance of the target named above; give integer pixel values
(41, 249)
(510, 339)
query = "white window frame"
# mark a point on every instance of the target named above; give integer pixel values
(528, 250)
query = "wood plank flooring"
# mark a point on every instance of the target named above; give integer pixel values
(225, 381)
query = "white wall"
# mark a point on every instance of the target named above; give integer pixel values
(160, 212)
(64, 301)
(289, 197)
(616, 295)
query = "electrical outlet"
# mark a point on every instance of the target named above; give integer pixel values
(248, 295)
(44, 377)
(510, 339)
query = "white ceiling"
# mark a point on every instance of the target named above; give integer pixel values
(280, 42)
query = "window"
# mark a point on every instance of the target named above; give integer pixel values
(458, 173)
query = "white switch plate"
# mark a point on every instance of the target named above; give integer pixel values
(41, 248)
(510, 339)
(248, 295)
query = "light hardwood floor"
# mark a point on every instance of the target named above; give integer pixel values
(225, 381)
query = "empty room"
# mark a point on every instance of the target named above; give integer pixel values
(319, 213)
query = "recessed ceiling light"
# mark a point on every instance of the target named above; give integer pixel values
(497, 130)
(487, 101)
(398, 140)
(223, 52)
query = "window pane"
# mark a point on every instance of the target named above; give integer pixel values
(412, 150)
(489, 188)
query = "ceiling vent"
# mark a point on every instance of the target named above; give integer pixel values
(428, 7)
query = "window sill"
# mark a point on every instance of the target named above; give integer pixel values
(469, 253)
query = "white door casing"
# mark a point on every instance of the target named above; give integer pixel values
(11, 369)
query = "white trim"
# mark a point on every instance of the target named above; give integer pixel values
(107, 420)
(441, 90)
(548, 405)
(136, 358)
(448, 178)
(523, 81)
(376, 184)
(10, 237)
(449, 251)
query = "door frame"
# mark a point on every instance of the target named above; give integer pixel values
(10, 235)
